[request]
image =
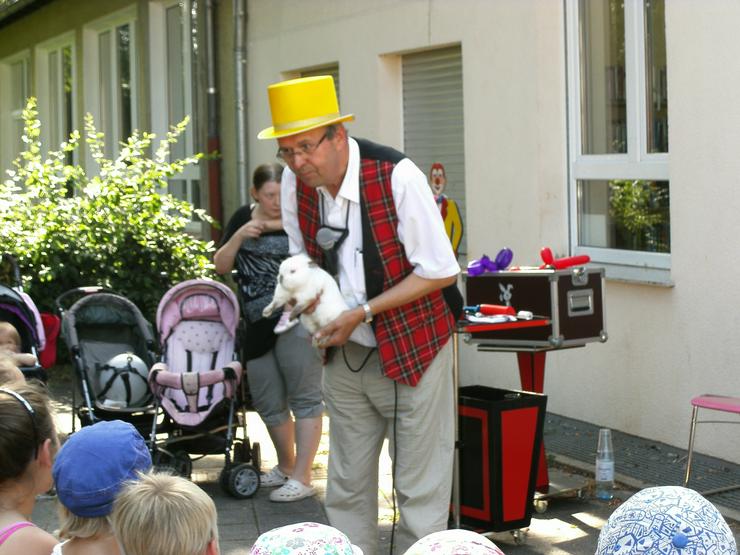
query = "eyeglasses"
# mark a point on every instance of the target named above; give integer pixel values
(306, 149)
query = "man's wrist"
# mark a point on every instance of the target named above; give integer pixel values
(367, 313)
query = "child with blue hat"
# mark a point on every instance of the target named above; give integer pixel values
(88, 473)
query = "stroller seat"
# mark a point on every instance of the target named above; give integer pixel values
(200, 374)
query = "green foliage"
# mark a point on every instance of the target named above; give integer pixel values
(113, 225)
(639, 209)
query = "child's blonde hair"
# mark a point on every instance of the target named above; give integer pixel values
(161, 514)
(73, 526)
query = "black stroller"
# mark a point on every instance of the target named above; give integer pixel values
(112, 348)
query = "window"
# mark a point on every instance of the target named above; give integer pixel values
(56, 90)
(110, 83)
(172, 97)
(14, 91)
(433, 129)
(618, 136)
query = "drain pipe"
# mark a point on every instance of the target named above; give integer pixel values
(213, 144)
(240, 62)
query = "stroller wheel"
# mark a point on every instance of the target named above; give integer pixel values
(243, 481)
(182, 463)
(256, 455)
(239, 454)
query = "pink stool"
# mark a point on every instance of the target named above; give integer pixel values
(721, 403)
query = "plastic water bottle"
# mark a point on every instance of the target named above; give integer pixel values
(605, 465)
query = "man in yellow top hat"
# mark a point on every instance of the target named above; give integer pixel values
(366, 214)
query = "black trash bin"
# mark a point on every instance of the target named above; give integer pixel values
(500, 439)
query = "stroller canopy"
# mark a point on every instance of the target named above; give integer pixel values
(197, 299)
(103, 310)
(18, 309)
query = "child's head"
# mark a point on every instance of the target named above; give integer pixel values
(10, 339)
(27, 435)
(304, 537)
(90, 470)
(161, 514)
(666, 519)
(452, 542)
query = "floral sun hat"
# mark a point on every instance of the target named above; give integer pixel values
(669, 520)
(454, 542)
(304, 538)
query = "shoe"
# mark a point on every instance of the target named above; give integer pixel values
(293, 490)
(285, 323)
(274, 478)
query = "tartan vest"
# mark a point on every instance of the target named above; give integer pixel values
(409, 336)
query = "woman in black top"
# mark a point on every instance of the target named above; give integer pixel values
(283, 371)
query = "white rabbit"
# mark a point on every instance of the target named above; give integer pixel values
(302, 280)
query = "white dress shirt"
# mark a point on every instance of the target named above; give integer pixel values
(420, 229)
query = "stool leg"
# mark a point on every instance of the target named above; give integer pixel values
(694, 414)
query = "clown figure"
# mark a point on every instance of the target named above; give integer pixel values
(447, 207)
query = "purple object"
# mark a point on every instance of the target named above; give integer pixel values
(485, 264)
(475, 268)
(504, 258)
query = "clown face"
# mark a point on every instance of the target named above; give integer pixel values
(437, 179)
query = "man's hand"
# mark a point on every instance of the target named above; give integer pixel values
(337, 332)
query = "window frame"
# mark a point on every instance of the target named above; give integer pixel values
(91, 65)
(160, 98)
(637, 163)
(43, 89)
(9, 115)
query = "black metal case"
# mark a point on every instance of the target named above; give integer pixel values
(572, 299)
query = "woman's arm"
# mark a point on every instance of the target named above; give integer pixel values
(224, 257)
(273, 225)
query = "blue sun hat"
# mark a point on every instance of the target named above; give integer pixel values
(668, 520)
(93, 464)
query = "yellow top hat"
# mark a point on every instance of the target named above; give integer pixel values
(302, 104)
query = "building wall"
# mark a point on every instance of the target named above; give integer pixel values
(62, 16)
(667, 343)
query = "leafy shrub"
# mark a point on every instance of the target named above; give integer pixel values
(112, 225)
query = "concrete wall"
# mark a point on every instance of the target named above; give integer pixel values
(666, 343)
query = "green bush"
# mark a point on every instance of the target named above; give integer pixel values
(111, 225)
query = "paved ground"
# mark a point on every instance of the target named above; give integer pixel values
(569, 525)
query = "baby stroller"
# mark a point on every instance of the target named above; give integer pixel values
(19, 310)
(197, 384)
(112, 348)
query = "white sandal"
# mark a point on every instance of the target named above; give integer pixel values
(293, 490)
(275, 477)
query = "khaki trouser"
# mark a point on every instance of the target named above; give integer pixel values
(361, 411)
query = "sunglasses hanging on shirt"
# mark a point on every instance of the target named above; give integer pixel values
(330, 239)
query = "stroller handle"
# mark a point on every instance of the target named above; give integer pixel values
(62, 302)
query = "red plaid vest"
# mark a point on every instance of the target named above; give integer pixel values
(409, 336)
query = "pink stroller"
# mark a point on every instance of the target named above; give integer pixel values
(197, 384)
